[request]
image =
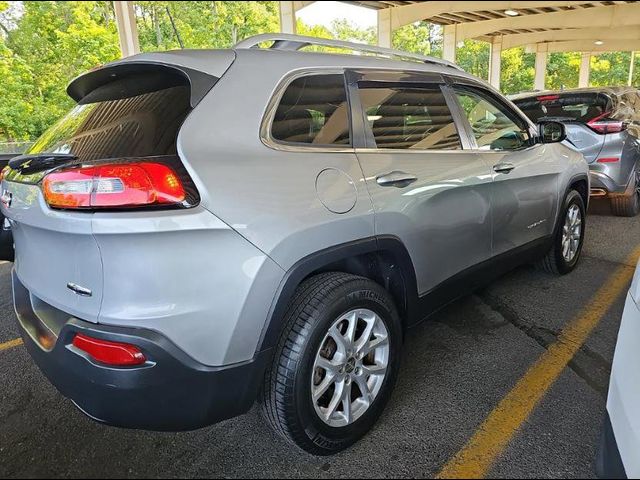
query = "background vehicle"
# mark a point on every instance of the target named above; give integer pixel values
(602, 124)
(302, 220)
(619, 452)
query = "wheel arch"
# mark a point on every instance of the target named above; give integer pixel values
(579, 183)
(383, 259)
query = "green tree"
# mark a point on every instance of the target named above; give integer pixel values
(473, 57)
(343, 29)
(517, 71)
(202, 24)
(611, 68)
(50, 44)
(420, 37)
(563, 70)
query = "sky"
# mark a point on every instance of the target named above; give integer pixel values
(323, 13)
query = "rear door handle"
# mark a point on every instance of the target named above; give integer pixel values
(503, 167)
(396, 179)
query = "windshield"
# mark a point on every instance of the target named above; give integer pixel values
(138, 126)
(578, 107)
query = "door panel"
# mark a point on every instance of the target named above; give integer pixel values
(523, 200)
(525, 174)
(425, 189)
(443, 218)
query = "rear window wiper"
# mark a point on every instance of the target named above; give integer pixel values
(38, 162)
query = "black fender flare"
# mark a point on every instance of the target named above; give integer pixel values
(317, 261)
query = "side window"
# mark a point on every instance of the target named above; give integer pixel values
(313, 111)
(408, 117)
(492, 124)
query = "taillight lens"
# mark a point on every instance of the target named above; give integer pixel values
(110, 353)
(601, 124)
(608, 159)
(119, 185)
(547, 98)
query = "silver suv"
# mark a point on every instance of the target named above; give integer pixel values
(208, 228)
(604, 125)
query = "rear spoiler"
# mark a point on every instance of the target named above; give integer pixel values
(106, 83)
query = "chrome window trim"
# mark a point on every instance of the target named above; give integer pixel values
(394, 151)
(272, 106)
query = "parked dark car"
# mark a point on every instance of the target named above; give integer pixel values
(604, 125)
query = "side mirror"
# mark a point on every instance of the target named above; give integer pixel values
(551, 132)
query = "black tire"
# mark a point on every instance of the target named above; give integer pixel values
(627, 205)
(286, 394)
(554, 261)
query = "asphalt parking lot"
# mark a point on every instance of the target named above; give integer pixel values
(457, 369)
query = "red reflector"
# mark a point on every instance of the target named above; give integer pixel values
(110, 353)
(113, 185)
(547, 98)
(608, 160)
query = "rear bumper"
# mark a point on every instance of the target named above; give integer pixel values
(603, 185)
(171, 391)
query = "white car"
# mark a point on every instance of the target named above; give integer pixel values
(619, 452)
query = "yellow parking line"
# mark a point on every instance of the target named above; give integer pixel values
(10, 344)
(489, 441)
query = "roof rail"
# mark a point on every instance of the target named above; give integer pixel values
(287, 41)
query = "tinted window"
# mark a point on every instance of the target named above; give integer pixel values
(313, 111)
(494, 126)
(409, 117)
(139, 126)
(579, 107)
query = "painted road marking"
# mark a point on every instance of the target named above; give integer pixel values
(493, 436)
(10, 344)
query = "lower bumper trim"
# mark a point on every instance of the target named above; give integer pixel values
(170, 392)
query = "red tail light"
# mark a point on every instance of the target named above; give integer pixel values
(547, 98)
(118, 185)
(601, 124)
(608, 159)
(110, 353)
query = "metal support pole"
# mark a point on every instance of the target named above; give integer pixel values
(287, 17)
(449, 43)
(541, 67)
(495, 62)
(385, 33)
(127, 28)
(585, 70)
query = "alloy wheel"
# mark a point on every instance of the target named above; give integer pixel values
(350, 367)
(571, 233)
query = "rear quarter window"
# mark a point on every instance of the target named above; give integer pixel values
(313, 111)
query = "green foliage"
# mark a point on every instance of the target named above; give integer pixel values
(420, 37)
(518, 71)
(563, 70)
(473, 57)
(202, 24)
(611, 68)
(53, 43)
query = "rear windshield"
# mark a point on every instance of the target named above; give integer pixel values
(577, 107)
(141, 125)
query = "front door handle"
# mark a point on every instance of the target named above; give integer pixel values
(503, 167)
(396, 179)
